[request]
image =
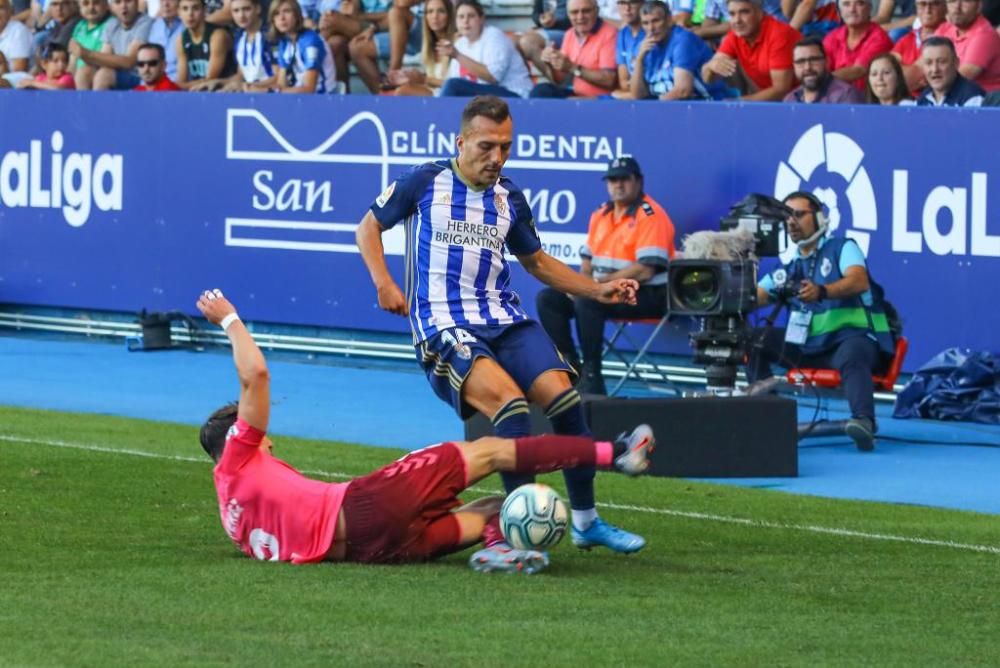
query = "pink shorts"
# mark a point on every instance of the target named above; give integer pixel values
(402, 512)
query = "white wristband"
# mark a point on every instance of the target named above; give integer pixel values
(228, 320)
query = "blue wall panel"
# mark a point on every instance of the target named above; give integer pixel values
(122, 201)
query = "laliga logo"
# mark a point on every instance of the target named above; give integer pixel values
(842, 156)
(43, 177)
(961, 230)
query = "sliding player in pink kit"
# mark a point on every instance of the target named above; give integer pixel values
(404, 512)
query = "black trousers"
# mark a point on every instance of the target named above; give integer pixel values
(556, 309)
(856, 358)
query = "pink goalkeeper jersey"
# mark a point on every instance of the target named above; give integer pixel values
(269, 509)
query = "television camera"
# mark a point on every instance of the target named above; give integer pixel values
(716, 281)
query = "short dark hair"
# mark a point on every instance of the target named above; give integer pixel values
(478, 8)
(938, 40)
(811, 40)
(213, 432)
(488, 106)
(814, 202)
(651, 6)
(153, 45)
(52, 48)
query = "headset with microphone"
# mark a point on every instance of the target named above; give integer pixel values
(822, 222)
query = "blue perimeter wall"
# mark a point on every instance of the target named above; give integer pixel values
(118, 201)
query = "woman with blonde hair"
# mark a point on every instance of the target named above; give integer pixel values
(438, 28)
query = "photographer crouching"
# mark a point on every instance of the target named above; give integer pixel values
(834, 320)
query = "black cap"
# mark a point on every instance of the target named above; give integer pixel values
(622, 167)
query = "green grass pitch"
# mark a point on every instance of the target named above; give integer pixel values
(113, 555)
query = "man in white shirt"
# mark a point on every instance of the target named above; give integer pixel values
(15, 47)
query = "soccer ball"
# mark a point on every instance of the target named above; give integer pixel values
(533, 517)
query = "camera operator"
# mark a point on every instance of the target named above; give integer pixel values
(833, 322)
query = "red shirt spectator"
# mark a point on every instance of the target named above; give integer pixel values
(978, 46)
(151, 63)
(770, 50)
(873, 43)
(161, 84)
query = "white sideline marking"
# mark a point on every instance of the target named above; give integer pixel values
(763, 524)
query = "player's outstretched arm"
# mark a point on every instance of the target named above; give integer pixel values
(369, 239)
(255, 382)
(554, 273)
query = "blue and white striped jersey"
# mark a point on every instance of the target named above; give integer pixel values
(253, 56)
(456, 273)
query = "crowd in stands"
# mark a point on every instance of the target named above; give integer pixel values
(921, 52)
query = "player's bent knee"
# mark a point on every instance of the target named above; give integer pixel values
(488, 387)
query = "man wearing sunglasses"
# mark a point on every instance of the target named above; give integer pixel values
(835, 321)
(151, 63)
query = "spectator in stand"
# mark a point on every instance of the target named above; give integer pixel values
(15, 47)
(630, 36)
(711, 17)
(204, 50)
(587, 52)
(404, 36)
(976, 42)
(115, 61)
(552, 20)
(167, 27)
(438, 28)
(930, 15)
(353, 18)
(304, 63)
(152, 63)
(851, 47)
(405, 32)
(483, 60)
(811, 17)
(254, 58)
(946, 87)
(60, 19)
(818, 85)
(54, 76)
(89, 34)
(758, 48)
(669, 61)
(885, 83)
(252, 54)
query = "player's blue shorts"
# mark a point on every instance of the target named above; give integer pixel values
(522, 349)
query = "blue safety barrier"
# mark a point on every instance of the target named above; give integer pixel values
(120, 201)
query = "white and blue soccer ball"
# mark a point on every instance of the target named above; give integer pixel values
(533, 517)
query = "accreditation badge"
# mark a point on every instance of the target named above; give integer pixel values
(798, 327)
